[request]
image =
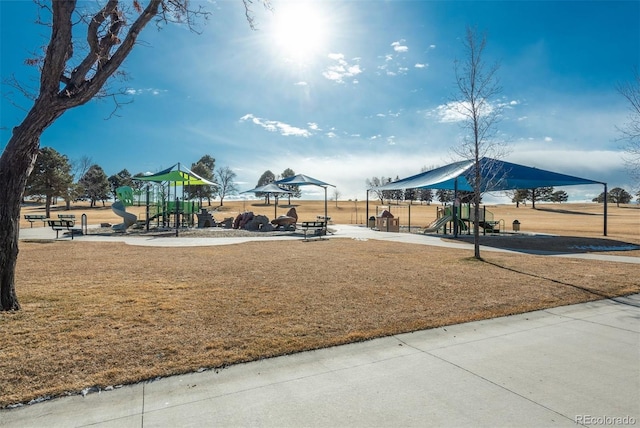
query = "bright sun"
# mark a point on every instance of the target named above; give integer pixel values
(299, 30)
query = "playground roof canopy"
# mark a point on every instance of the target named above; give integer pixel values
(496, 175)
(177, 174)
(302, 180)
(268, 188)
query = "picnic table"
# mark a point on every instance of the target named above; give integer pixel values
(64, 224)
(35, 217)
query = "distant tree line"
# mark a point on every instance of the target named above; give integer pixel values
(617, 196)
(55, 176)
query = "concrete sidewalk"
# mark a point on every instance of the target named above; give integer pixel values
(556, 367)
(339, 231)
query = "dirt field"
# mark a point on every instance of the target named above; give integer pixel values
(107, 314)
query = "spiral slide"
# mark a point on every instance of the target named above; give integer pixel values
(129, 219)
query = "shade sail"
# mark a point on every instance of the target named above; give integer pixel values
(495, 175)
(268, 188)
(302, 180)
(177, 174)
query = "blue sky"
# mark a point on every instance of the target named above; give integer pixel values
(348, 90)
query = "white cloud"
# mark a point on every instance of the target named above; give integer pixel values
(548, 139)
(399, 47)
(457, 111)
(152, 91)
(341, 69)
(420, 65)
(276, 126)
(301, 84)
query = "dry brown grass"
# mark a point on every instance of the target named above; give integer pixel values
(108, 313)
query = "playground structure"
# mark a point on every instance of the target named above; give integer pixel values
(164, 206)
(125, 198)
(443, 222)
(166, 209)
(465, 219)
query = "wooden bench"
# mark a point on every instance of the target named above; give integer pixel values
(319, 228)
(64, 224)
(35, 217)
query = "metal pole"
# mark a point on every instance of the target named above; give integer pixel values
(367, 214)
(147, 209)
(326, 221)
(455, 209)
(605, 209)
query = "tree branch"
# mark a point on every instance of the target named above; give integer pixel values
(58, 49)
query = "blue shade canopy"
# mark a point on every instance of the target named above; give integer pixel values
(177, 174)
(268, 188)
(495, 175)
(302, 180)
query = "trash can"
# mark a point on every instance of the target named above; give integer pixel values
(372, 222)
(516, 226)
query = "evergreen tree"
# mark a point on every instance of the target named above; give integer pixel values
(266, 178)
(95, 185)
(204, 168)
(51, 177)
(294, 188)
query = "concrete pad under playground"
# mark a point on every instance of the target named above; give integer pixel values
(555, 367)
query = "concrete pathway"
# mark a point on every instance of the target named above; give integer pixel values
(567, 366)
(340, 231)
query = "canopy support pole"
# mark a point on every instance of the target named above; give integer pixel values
(367, 214)
(606, 196)
(326, 220)
(455, 208)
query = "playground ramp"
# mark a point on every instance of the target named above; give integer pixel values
(438, 224)
(129, 219)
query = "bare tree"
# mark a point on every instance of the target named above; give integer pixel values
(226, 186)
(336, 195)
(376, 182)
(71, 74)
(81, 166)
(630, 132)
(478, 85)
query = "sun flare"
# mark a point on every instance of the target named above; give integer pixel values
(299, 30)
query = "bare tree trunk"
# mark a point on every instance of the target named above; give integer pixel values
(16, 165)
(476, 211)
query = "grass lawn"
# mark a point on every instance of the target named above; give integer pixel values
(103, 314)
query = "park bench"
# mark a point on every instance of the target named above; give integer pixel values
(64, 224)
(35, 217)
(67, 217)
(319, 228)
